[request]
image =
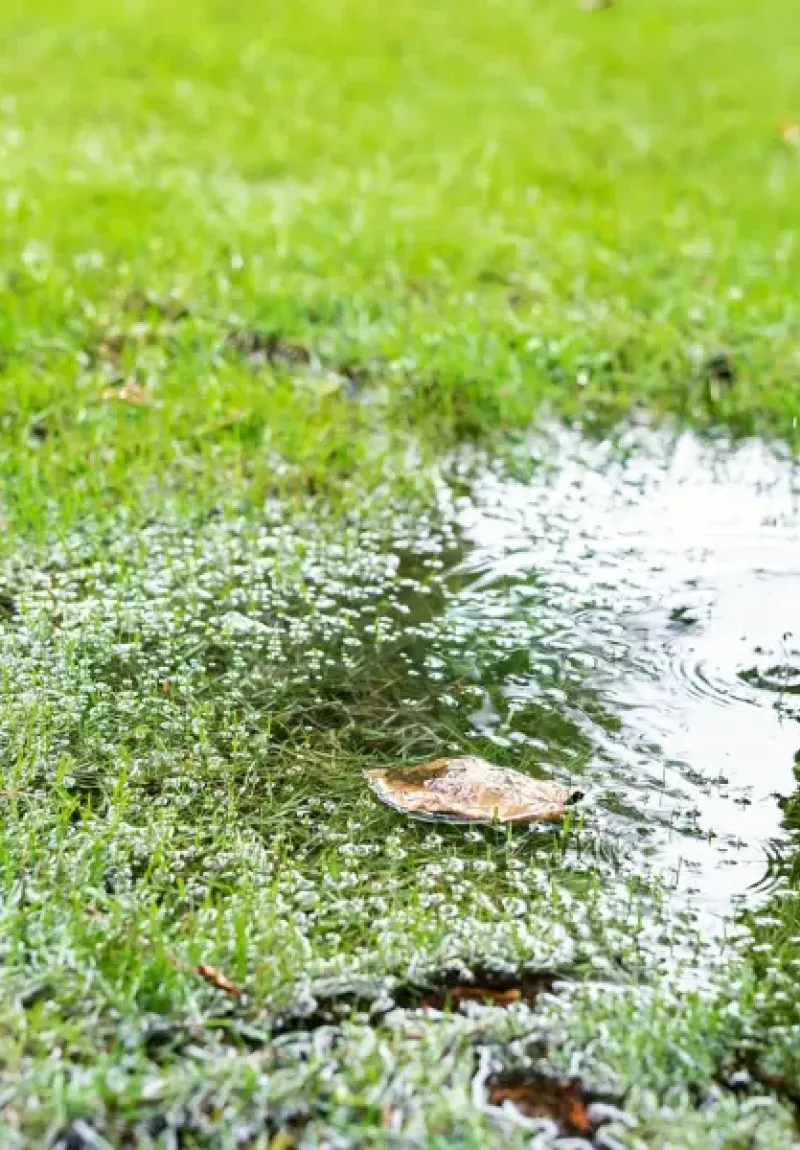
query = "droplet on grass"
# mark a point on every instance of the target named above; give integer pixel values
(470, 790)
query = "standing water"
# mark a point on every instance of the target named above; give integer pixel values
(665, 573)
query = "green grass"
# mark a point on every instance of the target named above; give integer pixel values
(484, 206)
(443, 220)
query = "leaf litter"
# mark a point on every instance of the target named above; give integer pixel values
(471, 790)
(575, 1110)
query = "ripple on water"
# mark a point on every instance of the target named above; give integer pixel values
(665, 571)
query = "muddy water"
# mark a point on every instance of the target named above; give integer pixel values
(665, 573)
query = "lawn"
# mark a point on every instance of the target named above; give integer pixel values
(279, 281)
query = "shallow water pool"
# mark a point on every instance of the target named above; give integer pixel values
(661, 574)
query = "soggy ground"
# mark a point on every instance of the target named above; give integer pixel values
(373, 389)
(188, 708)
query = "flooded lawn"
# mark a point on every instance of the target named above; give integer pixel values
(663, 575)
(301, 310)
(201, 883)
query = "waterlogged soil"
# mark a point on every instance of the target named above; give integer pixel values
(621, 616)
(197, 874)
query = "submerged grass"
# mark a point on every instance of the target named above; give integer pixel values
(263, 267)
(187, 708)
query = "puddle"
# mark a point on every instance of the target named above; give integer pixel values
(663, 574)
(625, 621)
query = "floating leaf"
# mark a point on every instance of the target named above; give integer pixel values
(470, 790)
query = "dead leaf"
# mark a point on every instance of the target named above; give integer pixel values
(541, 1097)
(470, 790)
(454, 995)
(134, 393)
(488, 987)
(216, 978)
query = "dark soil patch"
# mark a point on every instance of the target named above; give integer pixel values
(747, 1075)
(144, 303)
(355, 376)
(719, 377)
(8, 606)
(489, 988)
(577, 1111)
(274, 349)
(260, 348)
(451, 992)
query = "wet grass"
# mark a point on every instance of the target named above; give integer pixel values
(265, 272)
(318, 239)
(214, 935)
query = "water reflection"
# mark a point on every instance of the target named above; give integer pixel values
(664, 574)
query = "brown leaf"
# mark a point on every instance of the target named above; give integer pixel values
(542, 1097)
(488, 987)
(216, 978)
(454, 995)
(134, 393)
(470, 790)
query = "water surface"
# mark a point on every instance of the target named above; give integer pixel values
(662, 574)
